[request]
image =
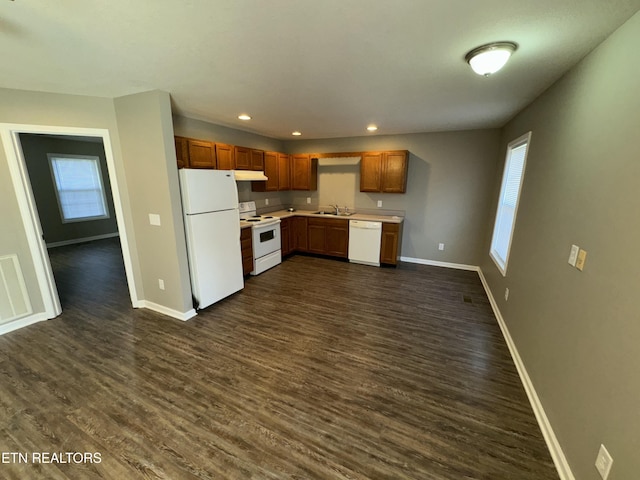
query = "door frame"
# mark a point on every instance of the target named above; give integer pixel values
(9, 133)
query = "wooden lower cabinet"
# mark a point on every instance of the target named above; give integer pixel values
(329, 236)
(299, 234)
(246, 244)
(286, 236)
(390, 243)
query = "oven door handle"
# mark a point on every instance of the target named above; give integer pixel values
(267, 223)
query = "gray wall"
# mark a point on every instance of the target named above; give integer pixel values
(578, 333)
(143, 162)
(148, 150)
(188, 127)
(35, 149)
(451, 178)
(37, 108)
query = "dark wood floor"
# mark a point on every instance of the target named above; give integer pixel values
(318, 369)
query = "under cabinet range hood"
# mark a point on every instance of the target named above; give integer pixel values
(249, 175)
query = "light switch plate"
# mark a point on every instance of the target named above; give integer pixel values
(582, 257)
(154, 219)
(604, 462)
(379, 203)
(573, 255)
(266, 201)
(441, 246)
(308, 200)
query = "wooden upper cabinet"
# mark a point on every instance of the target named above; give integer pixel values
(394, 172)
(271, 171)
(257, 160)
(304, 172)
(182, 151)
(224, 157)
(384, 172)
(371, 172)
(201, 154)
(284, 171)
(242, 157)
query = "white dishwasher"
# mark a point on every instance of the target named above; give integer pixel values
(364, 242)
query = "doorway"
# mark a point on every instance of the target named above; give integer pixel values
(10, 135)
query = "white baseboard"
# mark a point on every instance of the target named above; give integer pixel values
(82, 240)
(560, 461)
(435, 263)
(22, 322)
(184, 316)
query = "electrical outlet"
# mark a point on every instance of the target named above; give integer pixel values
(582, 257)
(573, 255)
(441, 246)
(604, 462)
(506, 294)
(308, 200)
(154, 219)
(266, 201)
(161, 284)
(379, 203)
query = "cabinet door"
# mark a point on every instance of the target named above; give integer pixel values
(285, 235)
(271, 171)
(394, 172)
(182, 151)
(370, 172)
(224, 157)
(304, 172)
(317, 236)
(390, 243)
(257, 160)
(284, 172)
(242, 157)
(246, 243)
(201, 154)
(300, 237)
(338, 238)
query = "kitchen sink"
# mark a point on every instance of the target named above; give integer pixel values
(333, 214)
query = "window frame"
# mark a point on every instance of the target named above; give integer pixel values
(51, 157)
(493, 252)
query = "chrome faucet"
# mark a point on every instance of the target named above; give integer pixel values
(337, 208)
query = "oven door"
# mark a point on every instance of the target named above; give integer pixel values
(266, 239)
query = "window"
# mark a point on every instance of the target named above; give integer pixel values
(508, 201)
(79, 188)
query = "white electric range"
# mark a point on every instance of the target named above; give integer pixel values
(265, 236)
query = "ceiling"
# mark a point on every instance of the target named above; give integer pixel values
(326, 68)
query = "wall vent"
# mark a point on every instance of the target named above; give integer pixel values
(14, 301)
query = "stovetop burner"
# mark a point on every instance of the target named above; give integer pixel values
(248, 214)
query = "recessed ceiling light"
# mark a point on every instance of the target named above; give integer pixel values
(372, 128)
(296, 133)
(490, 58)
(244, 116)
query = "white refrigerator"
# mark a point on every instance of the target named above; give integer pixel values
(212, 225)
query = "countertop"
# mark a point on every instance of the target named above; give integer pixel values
(356, 216)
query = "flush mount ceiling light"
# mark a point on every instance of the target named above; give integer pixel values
(372, 128)
(490, 58)
(244, 116)
(296, 133)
